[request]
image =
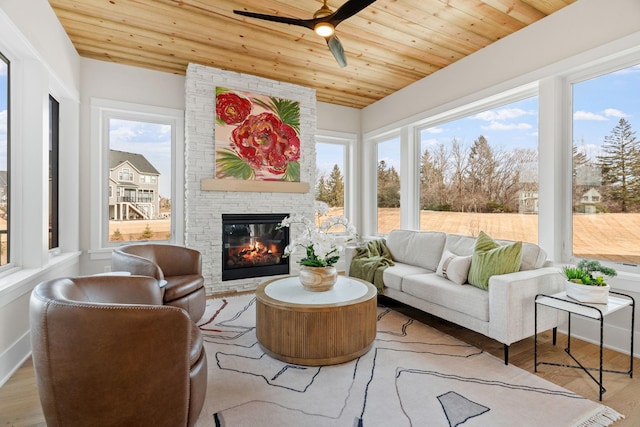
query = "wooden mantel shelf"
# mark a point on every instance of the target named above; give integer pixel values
(212, 184)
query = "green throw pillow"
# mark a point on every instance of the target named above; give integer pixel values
(490, 258)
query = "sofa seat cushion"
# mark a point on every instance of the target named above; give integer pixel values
(393, 275)
(179, 286)
(420, 248)
(438, 290)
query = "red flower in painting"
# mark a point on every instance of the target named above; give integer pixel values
(264, 141)
(232, 108)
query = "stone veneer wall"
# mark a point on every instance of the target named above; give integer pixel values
(204, 209)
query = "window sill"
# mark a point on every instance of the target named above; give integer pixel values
(21, 281)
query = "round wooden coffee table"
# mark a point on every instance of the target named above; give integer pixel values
(316, 328)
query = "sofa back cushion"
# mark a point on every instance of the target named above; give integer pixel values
(421, 248)
(533, 256)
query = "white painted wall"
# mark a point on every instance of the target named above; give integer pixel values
(336, 118)
(43, 62)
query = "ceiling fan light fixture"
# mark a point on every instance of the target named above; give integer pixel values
(324, 29)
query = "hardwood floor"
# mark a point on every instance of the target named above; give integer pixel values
(20, 405)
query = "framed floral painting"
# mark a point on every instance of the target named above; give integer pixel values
(257, 137)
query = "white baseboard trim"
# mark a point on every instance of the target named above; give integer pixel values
(615, 337)
(13, 358)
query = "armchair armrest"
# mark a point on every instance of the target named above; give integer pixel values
(122, 261)
(120, 289)
(511, 303)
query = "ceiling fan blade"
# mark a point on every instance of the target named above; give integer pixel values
(347, 10)
(338, 51)
(307, 23)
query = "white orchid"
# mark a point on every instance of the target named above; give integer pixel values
(323, 244)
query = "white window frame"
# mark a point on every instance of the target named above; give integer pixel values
(102, 110)
(401, 135)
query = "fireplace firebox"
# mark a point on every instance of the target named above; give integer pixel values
(252, 246)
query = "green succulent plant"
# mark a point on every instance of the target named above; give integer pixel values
(585, 273)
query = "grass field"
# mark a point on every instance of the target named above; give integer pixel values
(613, 237)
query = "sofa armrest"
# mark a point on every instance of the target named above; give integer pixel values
(349, 253)
(511, 303)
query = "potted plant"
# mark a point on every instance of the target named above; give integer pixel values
(586, 283)
(322, 246)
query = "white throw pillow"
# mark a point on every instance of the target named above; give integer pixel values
(454, 267)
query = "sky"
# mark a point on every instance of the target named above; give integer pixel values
(149, 139)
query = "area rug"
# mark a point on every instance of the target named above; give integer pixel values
(414, 375)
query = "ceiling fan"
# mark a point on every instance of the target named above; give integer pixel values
(323, 23)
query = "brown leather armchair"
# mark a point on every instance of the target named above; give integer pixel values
(181, 267)
(107, 352)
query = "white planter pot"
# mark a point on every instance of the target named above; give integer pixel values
(588, 294)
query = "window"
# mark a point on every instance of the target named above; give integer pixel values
(144, 148)
(388, 184)
(334, 175)
(138, 195)
(330, 178)
(5, 173)
(125, 174)
(54, 116)
(480, 173)
(606, 166)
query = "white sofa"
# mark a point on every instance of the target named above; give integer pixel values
(504, 312)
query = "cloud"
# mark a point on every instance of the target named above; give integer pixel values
(585, 115)
(3, 68)
(507, 126)
(125, 131)
(502, 114)
(630, 70)
(434, 130)
(612, 112)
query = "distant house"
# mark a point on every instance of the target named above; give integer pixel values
(590, 200)
(133, 187)
(528, 202)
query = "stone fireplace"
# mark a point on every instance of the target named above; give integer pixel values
(204, 209)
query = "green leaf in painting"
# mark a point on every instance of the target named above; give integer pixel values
(220, 90)
(229, 165)
(292, 173)
(288, 111)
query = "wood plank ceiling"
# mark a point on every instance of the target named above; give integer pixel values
(389, 45)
